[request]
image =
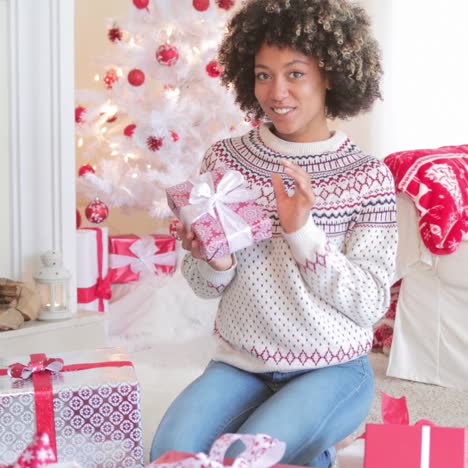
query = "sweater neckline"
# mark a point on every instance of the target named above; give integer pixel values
(289, 148)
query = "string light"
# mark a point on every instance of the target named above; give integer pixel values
(96, 77)
(80, 142)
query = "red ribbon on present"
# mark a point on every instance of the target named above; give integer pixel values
(395, 411)
(42, 369)
(38, 454)
(102, 289)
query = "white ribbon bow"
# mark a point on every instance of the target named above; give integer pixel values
(146, 257)
(261, 451)
(204, 198)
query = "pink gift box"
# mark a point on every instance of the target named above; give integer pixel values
(418, 446)
(221, 212)
(87, 403)
(131, 255)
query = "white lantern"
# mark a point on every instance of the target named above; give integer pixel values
(53, 284)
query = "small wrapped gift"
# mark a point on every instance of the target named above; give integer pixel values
(395, 443)
(131, 256)
(87, 404)
(221, 212)
(261, 451)
(93, 281)
(423, 445)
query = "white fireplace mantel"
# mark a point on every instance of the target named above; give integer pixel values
(42, 159)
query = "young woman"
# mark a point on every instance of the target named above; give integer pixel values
(294, 323)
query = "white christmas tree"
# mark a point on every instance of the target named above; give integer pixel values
(161, 107)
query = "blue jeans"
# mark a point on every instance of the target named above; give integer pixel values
(310, 410)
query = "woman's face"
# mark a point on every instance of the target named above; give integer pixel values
(291, 88)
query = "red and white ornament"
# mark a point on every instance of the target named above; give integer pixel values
(201, 5)
(225, 4)
(110, 78)
(85, 169)
(213, 69)
(154, 143)
(96, 211)
(114, 34)
(173, 228)
(167, 55)
(136, 77)
(80, 113)
(141, 4)
(129, 130)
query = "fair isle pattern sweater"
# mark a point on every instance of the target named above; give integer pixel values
(307, 299)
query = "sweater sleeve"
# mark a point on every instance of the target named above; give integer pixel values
(205, 281)
(357, 280)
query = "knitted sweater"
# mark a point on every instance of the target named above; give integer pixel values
(306, 299)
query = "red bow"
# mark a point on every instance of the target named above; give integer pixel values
(39, 364)
(38, 454)
(103, 288)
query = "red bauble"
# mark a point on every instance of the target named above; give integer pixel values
(140, 4)
(201, 5)
(110, 78)
(154, 143)
(175, 136)
(167, 55)
(114, 34)
(78, 219)
(129, 129)
(225, 4)
(80, 113)
(136, 77)
(96, 211)
(213, 69)
(85, 169)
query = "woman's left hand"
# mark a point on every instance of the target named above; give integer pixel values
(294, 210)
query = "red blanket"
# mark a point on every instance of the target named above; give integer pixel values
(437, 182)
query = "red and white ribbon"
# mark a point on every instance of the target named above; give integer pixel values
(204, 198)
(261, 451)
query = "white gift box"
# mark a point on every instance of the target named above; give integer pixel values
(92, 269)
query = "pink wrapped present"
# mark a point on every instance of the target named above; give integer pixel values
(261, 451)
(88, 405)
(221, 212)
(396, 443)
(131, 256)
(93, 281)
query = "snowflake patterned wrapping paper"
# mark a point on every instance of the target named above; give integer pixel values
(221, 212)
(95, 409)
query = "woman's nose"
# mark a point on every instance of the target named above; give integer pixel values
(279, 90)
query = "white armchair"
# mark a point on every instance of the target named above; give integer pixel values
(430, 337)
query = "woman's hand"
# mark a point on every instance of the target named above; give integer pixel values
(293, 211)
(190, 243)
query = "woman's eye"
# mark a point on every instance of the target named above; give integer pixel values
(296, 74)
(261, 76)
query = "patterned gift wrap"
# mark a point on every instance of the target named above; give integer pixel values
(94, 409)
(221, 212)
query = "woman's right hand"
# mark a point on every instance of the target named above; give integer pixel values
(191, 244)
